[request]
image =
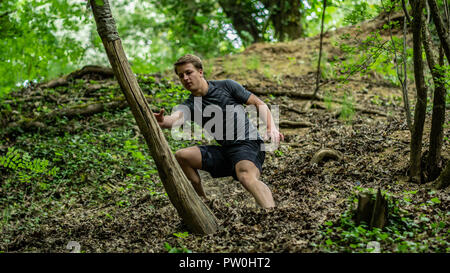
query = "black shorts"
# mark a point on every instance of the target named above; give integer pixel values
(220, 161)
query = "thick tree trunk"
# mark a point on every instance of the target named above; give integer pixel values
(438, 117)
(286, 18)
(421, 103)
(191, 209)
(240, 14)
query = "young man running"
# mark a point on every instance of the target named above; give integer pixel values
(241, 153)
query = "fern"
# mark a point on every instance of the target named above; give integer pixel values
(25, 168)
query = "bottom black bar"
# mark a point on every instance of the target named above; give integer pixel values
(223, 262)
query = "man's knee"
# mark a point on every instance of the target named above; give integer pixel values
(246, 174)
(182, 156)
(189, 157)
(246, 179)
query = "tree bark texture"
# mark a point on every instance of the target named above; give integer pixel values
(421, 90)
(438, 116)
(190, 208)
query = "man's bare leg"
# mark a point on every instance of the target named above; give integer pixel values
(248, 174)
(190, 160)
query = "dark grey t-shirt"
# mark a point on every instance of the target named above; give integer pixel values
(221, 113)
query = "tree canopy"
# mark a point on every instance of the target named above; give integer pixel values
(46, 38)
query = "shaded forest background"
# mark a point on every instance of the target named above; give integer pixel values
(46, 39)
(73, 164)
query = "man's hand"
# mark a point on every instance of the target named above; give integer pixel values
(160, 117)
(274, 135)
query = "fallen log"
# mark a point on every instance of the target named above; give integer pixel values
(84, 110)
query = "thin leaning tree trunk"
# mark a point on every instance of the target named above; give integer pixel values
(320, 49)
(197, 217)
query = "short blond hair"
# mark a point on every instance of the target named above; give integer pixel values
(189, 58)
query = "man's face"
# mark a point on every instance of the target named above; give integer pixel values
(190, 76)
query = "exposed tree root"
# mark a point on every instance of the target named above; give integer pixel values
(19, 100)
(91, 88)
(294, 124)
(104, 72)
(295, 110)
(326, 154)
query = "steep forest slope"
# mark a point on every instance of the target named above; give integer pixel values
(81, 172)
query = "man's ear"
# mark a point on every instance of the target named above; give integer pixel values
(200, 71)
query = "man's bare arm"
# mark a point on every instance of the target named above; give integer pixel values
(167, 122)
(266, 116)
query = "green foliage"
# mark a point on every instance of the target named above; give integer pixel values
(234, 65)
(360, 11)
(191, 27)
(80, 162)
(347, 108)
(445, 72)
(45, 39)
(403, 232)
(328, 98)
(181, 248)
(339, 13)
(253, 62)
(327, 67)
(370, 56)
(182, 235)
(27, 170)
(36, 42)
